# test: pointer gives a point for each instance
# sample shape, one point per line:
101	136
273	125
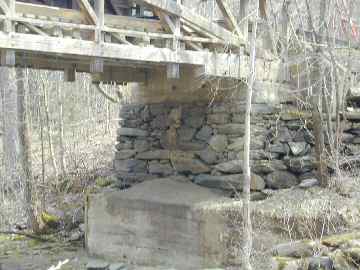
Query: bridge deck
89	40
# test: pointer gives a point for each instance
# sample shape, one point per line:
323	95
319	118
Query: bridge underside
117	48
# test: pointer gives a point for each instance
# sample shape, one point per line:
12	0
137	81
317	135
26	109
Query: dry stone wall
205	143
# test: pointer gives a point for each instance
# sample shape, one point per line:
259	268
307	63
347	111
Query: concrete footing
169	222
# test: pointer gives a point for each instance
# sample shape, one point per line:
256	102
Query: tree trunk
49	131
317	101
25	150
61	131
43	165
247	242
11	142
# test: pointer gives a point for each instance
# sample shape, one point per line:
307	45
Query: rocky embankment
338	252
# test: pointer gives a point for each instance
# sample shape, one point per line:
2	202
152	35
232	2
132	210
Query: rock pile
206	144
338	252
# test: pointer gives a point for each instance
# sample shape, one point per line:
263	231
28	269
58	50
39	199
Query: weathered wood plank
215	64
42	10
88	10
230	19
35	29
3	7
97	65
120	75
186	14
75	16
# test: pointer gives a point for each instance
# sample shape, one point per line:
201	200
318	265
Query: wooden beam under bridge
214	64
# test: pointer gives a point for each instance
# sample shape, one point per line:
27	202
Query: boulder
191	146
229	182
256	143
320	263
218	143
186	134
97	264
130	166
159	108
356	140
233	166
231	129
299	148
204	134
117	266
194	120
183	162
141	145
308	183
209	156
295	124
281	135
163	169
132	132
258	154
219	108
218	118
347	137
238	118
131	178
268	166
160	122
296	249
278	148
302	135
123	145
281	179
354	131
125	154
135	123
301	165
154	155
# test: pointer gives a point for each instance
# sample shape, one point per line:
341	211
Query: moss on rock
50	220
103	182
341	239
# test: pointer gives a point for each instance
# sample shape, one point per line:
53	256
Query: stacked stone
336	252
205	143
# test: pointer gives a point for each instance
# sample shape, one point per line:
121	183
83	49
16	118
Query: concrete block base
165	222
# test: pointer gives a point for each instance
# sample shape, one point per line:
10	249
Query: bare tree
25	149
61	130
11	137
48	125
247	244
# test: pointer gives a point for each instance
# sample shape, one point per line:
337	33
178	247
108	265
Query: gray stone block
164	222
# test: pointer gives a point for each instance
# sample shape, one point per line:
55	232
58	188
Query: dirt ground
19	253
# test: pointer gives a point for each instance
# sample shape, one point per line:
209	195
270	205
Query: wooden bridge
117	47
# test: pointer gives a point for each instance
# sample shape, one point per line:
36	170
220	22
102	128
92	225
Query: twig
32	236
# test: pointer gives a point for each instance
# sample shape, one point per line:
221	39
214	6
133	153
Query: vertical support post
244	22
97	65
173	69
8	56
70	74
285	35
